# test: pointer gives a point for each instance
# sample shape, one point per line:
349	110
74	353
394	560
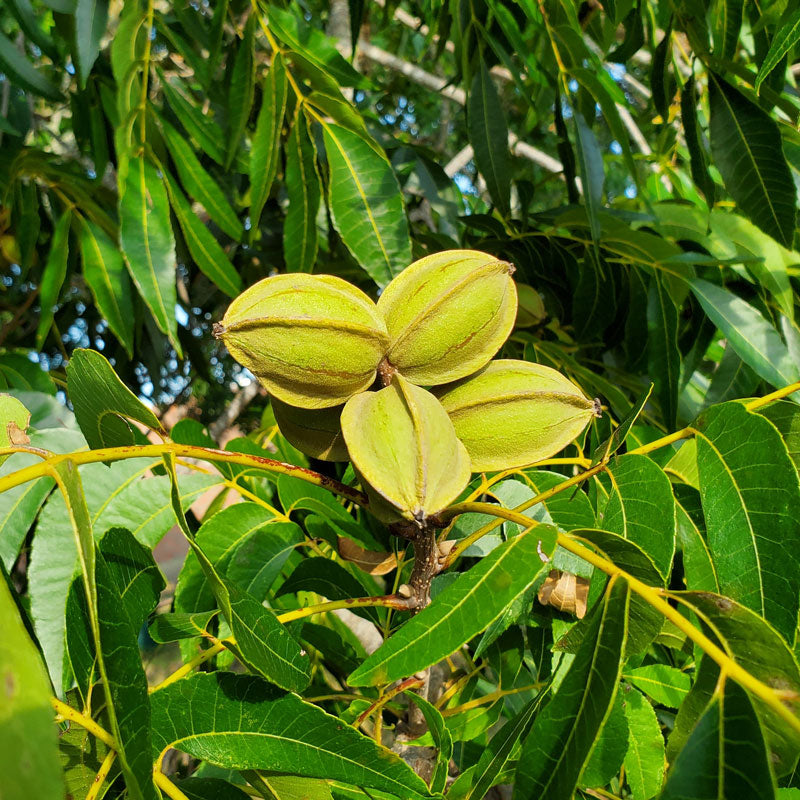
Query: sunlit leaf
561	738
240	722
751	502
461	611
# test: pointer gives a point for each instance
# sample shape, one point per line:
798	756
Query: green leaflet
663	355
727	26
331	580
561	739
312	44
54	274
89	21
366	204
240	722
784	40
17	67
462	610
495	758
303	188
242	87
103	403
442	741
746	146
204	248
751	502
261	643
698	160
128	586
174	627
662	683
756	647
201	127
117	495
645	761
199	183
266	546
755	341
725	757
26	717
105	273
635	487
488	135
147	241
265	151
590	164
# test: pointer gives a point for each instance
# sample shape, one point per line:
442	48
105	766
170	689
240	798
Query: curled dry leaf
14	420
448	314
513	413
372	561
313	341
403	444
565	592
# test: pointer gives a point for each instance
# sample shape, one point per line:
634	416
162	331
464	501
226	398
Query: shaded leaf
755	341
173	627
204	248
756	647
664	684
240	91
488	135
199	184
17	67
645	762
590	164
55	272
784	40
314	45
441	740
698	161
640	507
663	355
147	241
746	146
89	20
303	188
727	739
329	579
366	204
496	756
265	150
610	747
105	273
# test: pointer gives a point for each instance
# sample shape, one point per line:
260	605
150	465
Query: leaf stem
386	601
490	698
403	686
66	712
685	433
167	786
655	598
108	454
444	517
101	776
